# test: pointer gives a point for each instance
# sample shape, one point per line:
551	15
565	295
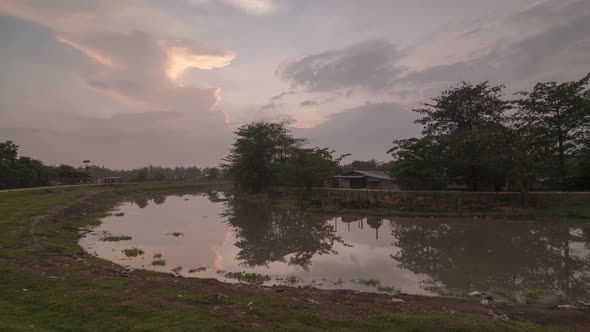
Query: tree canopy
473	136
265	154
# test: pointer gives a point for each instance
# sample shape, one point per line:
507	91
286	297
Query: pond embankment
503	205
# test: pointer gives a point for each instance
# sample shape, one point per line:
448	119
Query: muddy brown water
214	235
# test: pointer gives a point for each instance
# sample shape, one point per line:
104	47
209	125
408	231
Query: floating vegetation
532	296
132	252
119	214
159	262
291	280
199	269
175	234
250	278
376	284
338	282
157	255
177	269
368	282
115	238
387	289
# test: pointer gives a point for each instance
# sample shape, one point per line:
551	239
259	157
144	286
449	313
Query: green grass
74	297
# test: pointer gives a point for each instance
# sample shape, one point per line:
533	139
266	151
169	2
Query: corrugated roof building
358	179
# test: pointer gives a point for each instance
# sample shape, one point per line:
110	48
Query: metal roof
373	173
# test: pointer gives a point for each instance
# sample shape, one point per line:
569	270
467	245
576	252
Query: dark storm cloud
367	65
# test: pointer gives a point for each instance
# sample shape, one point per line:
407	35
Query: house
372	179
74	177
114	179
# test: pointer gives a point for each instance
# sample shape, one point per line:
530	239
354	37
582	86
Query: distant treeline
23	172
156	173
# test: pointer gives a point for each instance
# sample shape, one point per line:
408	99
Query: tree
419	164
8	154
212	173
159	176
21	172
309	167
467	122
557	117
86	163
257	153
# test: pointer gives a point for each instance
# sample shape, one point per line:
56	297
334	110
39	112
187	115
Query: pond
208	235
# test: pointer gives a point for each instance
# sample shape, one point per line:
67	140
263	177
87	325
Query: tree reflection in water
514	258
267	234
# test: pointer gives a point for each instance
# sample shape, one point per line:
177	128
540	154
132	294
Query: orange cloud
182	56
90	52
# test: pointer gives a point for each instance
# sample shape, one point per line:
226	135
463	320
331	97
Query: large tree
257	154
466	125
556	116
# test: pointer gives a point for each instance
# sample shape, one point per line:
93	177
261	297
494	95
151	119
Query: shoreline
46	252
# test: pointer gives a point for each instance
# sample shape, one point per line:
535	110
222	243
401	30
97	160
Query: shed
358	179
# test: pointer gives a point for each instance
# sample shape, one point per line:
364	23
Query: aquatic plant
132	252
158	255
368	282
250	278
159	262
115	238
198	269
177	269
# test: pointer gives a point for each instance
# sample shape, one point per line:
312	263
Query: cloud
364	131
522	62
254	7
269	106
183	55
155	115
142	75
281	95
309	103
369	65
557	34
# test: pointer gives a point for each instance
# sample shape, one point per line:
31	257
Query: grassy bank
48	283
541	205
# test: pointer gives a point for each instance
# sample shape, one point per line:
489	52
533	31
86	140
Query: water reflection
265	234
416	256
511	257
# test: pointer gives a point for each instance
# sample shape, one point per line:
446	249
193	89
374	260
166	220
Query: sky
157	82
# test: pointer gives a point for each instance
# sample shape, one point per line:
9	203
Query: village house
359	179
